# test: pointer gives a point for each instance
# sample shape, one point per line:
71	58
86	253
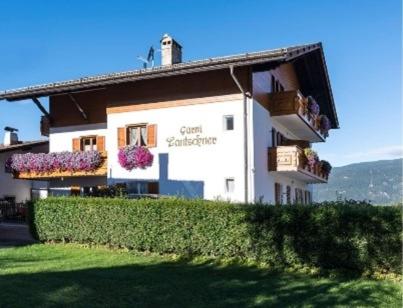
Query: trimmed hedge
350	236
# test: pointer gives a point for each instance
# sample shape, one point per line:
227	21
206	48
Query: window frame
227	186
93	143
138	128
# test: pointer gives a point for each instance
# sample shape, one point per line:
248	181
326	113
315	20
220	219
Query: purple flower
57	161
325	125
313	107
133	157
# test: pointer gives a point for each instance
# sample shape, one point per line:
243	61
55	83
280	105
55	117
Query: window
89	143
278	138
308	197
276	85
288	194
229	185
10	199
299	196
278	190
229	122
137	135
137	187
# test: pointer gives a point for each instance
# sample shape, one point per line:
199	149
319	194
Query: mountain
377	181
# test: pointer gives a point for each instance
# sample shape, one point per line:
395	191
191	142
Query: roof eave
20	146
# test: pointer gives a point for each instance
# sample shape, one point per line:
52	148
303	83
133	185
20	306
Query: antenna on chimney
150	58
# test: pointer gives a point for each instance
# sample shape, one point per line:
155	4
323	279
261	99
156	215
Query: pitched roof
22	145
246	59
159	71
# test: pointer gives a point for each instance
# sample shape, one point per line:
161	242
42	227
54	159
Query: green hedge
355	237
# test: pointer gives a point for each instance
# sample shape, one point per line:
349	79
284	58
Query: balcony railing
291	161
290	109
100	171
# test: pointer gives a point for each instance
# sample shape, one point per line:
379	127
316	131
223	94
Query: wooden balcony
100	171
291	162
289	109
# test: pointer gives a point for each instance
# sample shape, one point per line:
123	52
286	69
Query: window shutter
76	144
296	196
152	135
288	194
273	137
277	193
121	137
101	143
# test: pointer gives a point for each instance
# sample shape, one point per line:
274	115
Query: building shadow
167	186
186	189
179	284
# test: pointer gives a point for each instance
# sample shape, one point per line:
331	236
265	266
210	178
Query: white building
223	128
15	190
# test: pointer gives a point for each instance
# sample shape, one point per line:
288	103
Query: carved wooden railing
100	171
293	102
292	158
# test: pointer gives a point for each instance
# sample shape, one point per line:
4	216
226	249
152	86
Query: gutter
246	95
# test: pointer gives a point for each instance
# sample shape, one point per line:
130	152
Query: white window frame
138	128
227	187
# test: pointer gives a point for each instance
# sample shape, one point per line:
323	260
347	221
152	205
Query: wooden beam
41	108
73	99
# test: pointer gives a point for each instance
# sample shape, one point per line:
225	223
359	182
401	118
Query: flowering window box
299	114
58	165
292	161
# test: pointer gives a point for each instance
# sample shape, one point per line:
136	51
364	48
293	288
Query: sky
48	41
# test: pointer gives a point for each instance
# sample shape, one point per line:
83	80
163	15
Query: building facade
19	190
231	128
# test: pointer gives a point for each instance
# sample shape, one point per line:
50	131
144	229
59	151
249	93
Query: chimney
171	51
10	136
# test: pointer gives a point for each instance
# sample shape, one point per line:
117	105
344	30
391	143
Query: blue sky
46	41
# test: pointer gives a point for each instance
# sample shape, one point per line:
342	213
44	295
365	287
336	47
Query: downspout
245	131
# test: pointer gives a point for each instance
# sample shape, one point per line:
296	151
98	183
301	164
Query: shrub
356	237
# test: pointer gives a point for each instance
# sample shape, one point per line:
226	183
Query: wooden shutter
288	194
121	137
273	137
101	143
76	144
152	135
296	196
277	193
308	199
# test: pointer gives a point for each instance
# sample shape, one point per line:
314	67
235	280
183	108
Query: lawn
70	275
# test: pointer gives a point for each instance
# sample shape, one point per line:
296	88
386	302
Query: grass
48	275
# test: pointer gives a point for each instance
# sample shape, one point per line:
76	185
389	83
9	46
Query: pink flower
56	161
133	157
